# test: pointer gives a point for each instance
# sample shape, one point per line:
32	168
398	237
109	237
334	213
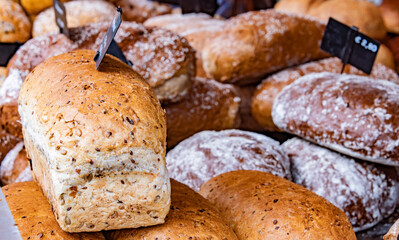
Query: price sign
60	17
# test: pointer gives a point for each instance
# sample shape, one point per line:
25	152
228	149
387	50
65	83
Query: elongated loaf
33	216
97	140
191	217
354	115
259	205
254	44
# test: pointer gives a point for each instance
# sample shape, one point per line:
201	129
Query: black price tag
351	46
7	50
60	17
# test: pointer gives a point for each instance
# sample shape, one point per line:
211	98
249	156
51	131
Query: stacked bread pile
98	139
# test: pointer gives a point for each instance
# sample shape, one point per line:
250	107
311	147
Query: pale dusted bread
209	105
267	91
79	13
209	153
366	194
14	24
141	10
191	217
97	140
259	205
354	115
254	44
15	167
33	216
393	232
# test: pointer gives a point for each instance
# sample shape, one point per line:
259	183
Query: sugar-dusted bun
354	115
176	21
210	105
97	140
360	189
7	142
259	205
15	166
268	90
360	13
141	10
33	215
191	217
15	25
390	13
209	153
297	6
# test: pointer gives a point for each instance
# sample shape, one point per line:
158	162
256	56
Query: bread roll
15	25
97	140
209	106
260	205
191	217
209	153
393	232
33	215
15	167
268	90
390	14
353	115
7	142
297	6
34	7
79	13
254	44
366	194
385	57
3	74
393	45
9	119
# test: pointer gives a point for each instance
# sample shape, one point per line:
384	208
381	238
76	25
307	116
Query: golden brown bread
393	232
259	205
191	217
385	57
296	6
209	106
254	44
9	119
33	216
34	7
390	13
268	90
393	45
15	166
15	25
3	74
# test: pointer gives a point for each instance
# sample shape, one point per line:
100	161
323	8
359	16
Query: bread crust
259	205
15	25
141	10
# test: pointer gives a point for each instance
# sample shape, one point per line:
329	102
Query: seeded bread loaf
191	217
97	140
259	205
33	216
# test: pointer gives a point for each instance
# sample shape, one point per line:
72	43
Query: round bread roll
141	10
366	194
259	205
297	6
268	90
360	13
385	57
34	7
14	24
353	115
390	13
210	105
393	45
7	142
9	119
209	153
15	167
79	13
191	217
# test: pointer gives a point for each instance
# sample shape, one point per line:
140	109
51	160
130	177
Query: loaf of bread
268	90
210	105
393	232
15	167
254	44
15	25
78	13
353	115
366	194
209	153
7	142
191	217
33	215
259	205
97	140
390	14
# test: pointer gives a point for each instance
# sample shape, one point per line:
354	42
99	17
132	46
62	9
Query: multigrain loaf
353	115
14	24
191	217
210	153
15	167
259	205
33	216
97	140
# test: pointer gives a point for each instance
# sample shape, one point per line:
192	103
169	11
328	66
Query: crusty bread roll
390	14
393	232
97	140
191	217
259	205
254	44
353	115
210	105
393	45
34	7
15	167
209	153
33	215
385	57
296	6
7	142
268	90
15	25
9	119
366	194
79	13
